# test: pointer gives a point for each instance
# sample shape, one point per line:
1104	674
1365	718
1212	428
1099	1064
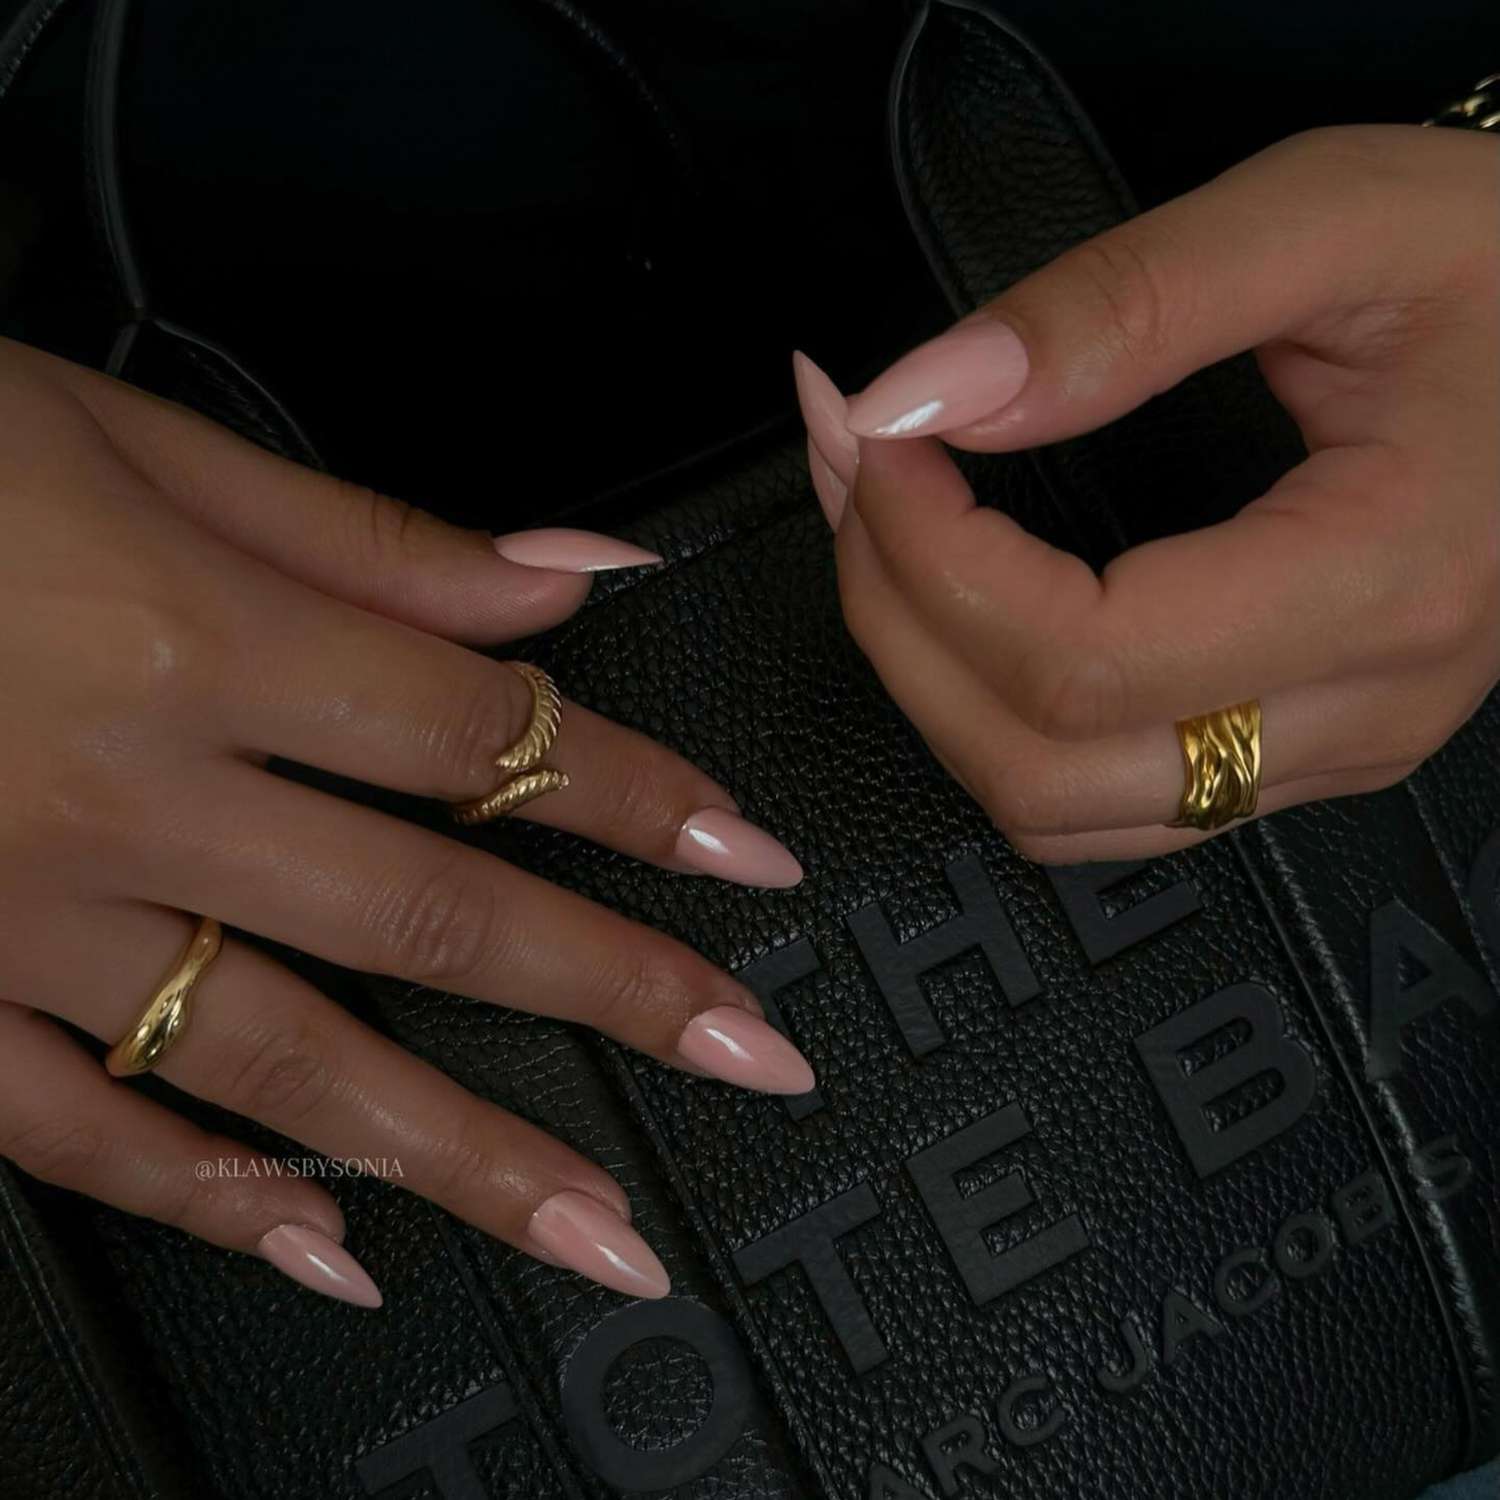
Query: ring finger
266	1045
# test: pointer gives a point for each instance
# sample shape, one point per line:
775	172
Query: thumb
346	540
1279	245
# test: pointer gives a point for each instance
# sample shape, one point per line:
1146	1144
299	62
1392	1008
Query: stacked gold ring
523	777
1221	751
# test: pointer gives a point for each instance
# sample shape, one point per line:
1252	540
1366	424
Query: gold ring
523	777
166	1017
1221	751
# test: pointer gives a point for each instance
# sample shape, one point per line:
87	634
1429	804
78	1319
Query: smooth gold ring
1221	751
523	777
166	1016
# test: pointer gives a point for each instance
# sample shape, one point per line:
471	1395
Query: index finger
1311	581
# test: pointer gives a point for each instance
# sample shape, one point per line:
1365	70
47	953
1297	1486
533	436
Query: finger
1112	798
264	1044
345	539
386	704
1284	244
63	1120
374	893
1155	840
1312	582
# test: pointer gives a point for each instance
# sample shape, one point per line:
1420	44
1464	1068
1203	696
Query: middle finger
374	893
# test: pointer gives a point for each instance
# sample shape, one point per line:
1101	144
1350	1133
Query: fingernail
564	550
974	369
831	491
719	842
728	1044
582	1234
824	410
315	1261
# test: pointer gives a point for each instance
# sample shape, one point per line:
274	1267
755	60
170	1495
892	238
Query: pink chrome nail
824	410
831	491
564	550
731	1045
974	369
315	1261
582	1234
719	842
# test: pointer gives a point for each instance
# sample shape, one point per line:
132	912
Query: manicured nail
729	1044
831	491
564	550
719	842
580	1233
824	410
315	1261
974	369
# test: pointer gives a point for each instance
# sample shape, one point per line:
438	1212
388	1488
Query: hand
176	606
1359	599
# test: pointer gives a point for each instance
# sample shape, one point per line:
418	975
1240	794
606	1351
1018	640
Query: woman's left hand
1359	599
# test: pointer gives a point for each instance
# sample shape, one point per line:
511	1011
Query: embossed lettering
1484	894
1182	1319
1441	1168
440	1448
1189	1096
1235	1303
956	1445
1105	933
1398	933
1119	1382
898	967
1297	1231
1363	1207
809	1241
1032	1433
962	1219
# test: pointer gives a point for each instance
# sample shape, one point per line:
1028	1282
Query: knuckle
463	1168
58	1149
642	990
478	727
283	1076
1130	301
382	528
1071	693
443	928
1019	800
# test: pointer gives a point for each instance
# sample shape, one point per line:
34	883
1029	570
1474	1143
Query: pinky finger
64	1120
1157	839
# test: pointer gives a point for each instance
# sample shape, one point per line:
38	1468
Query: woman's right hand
177	606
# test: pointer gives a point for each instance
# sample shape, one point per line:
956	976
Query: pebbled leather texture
1005	1249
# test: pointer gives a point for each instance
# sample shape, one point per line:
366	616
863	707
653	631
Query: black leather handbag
1172	1180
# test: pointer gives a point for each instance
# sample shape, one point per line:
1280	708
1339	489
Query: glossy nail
832	492
824	411
719	842
580	1233
563	550
731	1045
315	1261
974	369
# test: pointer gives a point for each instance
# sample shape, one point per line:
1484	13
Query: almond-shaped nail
824	411
734	1046
564	550
719	842
832	492
974	369
313	1260
580	1233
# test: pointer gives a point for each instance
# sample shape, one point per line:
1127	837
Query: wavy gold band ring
523	777
166	1016
1221	751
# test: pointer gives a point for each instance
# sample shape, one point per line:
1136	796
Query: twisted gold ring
166	1016
523	778
1221	751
